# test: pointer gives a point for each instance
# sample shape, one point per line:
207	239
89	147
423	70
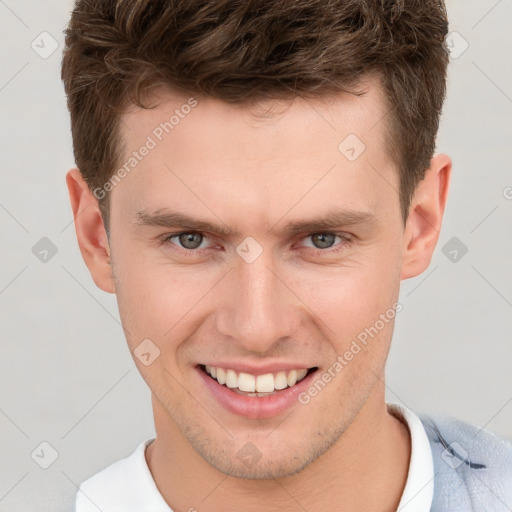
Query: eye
190	241
324	241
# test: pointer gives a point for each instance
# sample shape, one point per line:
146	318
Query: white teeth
246	382
280	381
256	385
292	378
231	379
264	383
300	374
221	375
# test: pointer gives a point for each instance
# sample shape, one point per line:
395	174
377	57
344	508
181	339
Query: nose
259	309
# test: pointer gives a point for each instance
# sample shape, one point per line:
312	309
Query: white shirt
128	486
419	487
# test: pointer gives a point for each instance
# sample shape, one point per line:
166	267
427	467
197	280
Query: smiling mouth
256	385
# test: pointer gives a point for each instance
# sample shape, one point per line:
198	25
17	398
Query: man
254	181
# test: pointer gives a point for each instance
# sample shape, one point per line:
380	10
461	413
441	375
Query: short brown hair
243	50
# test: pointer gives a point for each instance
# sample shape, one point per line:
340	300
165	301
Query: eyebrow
334	219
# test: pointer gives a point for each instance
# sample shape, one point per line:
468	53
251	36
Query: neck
365	470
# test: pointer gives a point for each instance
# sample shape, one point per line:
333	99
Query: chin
251	463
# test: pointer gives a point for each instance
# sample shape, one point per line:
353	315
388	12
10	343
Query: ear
90	230
425	217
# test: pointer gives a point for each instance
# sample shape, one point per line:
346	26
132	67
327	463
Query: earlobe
90	231
425	217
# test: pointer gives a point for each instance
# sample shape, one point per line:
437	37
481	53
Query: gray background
66	376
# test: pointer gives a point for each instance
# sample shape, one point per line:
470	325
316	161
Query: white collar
419	488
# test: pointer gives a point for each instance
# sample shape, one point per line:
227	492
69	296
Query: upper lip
262	369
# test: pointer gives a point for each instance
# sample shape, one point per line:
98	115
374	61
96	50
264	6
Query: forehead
275	151
339	113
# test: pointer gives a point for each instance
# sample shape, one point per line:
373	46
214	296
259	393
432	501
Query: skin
293	303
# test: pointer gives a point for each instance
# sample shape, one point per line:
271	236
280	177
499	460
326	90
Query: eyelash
166	240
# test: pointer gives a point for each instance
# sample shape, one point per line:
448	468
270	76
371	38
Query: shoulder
472	466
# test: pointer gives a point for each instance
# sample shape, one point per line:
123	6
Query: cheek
357	292
351	300
152	297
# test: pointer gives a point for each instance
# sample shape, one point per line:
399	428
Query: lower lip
254	407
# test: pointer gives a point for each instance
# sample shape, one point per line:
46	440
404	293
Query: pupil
187	240
321	238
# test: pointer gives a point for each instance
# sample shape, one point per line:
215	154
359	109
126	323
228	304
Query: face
250	247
